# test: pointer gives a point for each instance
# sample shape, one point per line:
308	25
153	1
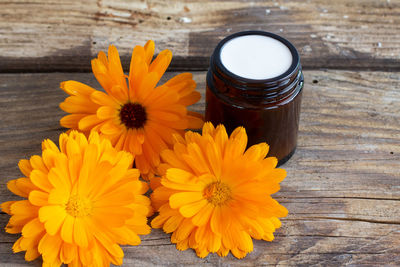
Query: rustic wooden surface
63	35
343	184
342	188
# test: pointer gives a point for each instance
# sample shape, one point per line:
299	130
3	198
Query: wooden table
343	183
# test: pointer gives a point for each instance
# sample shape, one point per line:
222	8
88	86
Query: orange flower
139	117
214	196
83	200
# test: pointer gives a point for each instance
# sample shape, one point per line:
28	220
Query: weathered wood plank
342	188
44	35
300	242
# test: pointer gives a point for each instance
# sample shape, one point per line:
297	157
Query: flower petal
67	229
180	199
53	217
192	208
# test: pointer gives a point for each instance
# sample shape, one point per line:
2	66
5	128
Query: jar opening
217	66
276	89
256	56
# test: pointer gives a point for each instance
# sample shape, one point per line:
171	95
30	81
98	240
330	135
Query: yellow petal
21	187
178	175
171	158
237	143
40	180
80	233
184	229
72	120
58	196
179	199
49	247
59	180
32	228
217	221
193	208
203	216
172	224
221	137
25	167
88	122
38	198
6	206
68	252
37	163
85	256
67	229
31	254
53	217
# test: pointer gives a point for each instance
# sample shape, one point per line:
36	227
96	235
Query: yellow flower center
78	206
217	193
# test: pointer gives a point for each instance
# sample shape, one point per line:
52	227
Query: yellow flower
139	116
83	200
215	197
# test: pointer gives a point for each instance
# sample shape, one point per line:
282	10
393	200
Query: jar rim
216	57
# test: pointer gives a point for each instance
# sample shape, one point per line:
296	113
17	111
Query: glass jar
269	109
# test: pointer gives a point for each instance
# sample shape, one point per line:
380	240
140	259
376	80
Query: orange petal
32	228
100	71
192	208
119	93
161	63
149	51
102	99
147	85
190	99
21	187
115	67
88	122
71	121
40	180
80	233
110	128
67	229
53	217
180	199
203	216
138	70
25	167
68	252
106	112
38	198
76	88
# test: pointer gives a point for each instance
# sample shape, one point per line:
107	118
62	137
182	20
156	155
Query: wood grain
43	35
342	188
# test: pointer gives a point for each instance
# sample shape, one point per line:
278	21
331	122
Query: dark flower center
133	115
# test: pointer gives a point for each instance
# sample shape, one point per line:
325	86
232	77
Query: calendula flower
136	116
83	200
214	196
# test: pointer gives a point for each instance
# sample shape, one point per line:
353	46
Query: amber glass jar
269	109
